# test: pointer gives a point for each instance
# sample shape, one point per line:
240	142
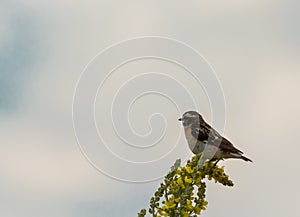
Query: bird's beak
179	119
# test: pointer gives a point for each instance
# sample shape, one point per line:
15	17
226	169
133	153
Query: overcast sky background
254	49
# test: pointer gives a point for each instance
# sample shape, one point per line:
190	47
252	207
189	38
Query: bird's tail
246	159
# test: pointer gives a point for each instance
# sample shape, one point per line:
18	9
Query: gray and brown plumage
201	137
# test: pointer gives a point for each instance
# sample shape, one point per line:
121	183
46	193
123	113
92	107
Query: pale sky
254	49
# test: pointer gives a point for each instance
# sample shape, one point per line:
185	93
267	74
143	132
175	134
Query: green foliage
182	193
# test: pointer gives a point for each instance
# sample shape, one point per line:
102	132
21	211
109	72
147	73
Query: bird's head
191	118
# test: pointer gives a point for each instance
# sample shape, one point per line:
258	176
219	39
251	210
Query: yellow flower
189	205
197	210
177	200
178	172
189	169
169	204
164	207
188	180
198	182
184	213
162	212
180	182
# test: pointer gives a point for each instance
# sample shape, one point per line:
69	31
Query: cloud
19	48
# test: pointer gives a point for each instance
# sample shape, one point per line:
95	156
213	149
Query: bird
202	138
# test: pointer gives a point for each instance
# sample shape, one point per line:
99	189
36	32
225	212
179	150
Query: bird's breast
195	145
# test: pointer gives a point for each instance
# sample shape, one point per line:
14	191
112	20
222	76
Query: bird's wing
201	132
206	133
228	146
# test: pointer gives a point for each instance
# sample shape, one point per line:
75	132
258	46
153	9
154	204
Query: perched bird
201	137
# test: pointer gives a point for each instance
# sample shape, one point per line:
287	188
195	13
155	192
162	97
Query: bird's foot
217	161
